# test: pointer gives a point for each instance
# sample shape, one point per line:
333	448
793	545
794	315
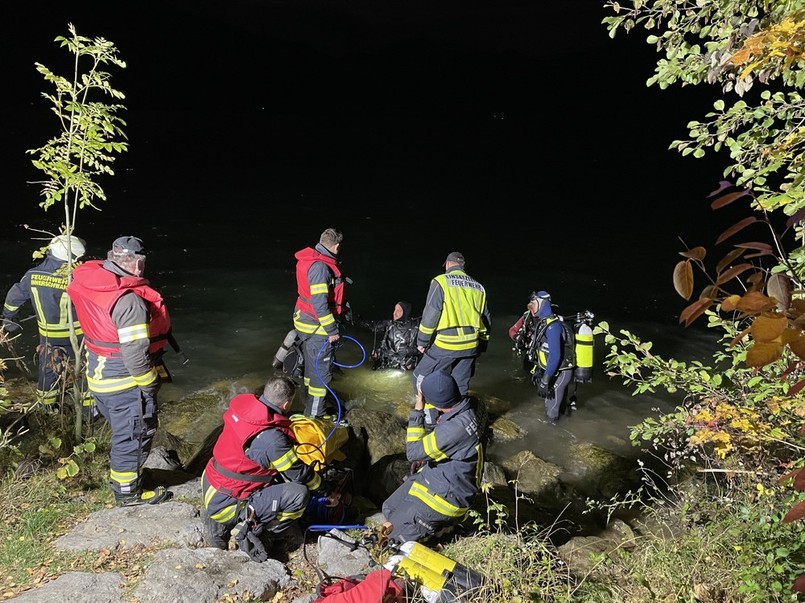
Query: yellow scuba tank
463	577
584	347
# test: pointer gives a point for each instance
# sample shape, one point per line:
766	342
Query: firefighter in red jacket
320	304
126	325
254	475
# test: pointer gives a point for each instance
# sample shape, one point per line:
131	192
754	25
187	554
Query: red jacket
243	420
94	292
336	300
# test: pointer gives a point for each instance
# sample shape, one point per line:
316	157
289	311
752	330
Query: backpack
319	443
568	342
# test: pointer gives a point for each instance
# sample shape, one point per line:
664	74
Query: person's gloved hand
9	326
248	540
545	390
483	345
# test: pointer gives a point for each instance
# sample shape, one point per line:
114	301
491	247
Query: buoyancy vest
540	344
398	348
336	299
246	417
461	320
524	338
94	292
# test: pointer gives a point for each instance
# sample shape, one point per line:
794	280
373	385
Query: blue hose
327	385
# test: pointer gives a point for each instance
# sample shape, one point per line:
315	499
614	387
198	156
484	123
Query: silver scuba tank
286	346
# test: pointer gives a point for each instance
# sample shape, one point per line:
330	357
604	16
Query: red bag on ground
376	587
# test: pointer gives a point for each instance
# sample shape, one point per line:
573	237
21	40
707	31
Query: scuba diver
556	350
397	349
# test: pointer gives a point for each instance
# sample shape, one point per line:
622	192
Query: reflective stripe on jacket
94	292
454	458
44	286
246	417
306	317
461	322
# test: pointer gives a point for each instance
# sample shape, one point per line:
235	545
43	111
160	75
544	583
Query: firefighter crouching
451	459
254	476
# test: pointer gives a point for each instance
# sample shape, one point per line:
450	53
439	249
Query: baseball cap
455	256
128	244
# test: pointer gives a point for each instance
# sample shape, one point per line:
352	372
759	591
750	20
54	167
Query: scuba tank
584	347
462	577
290	357
287	344
441	579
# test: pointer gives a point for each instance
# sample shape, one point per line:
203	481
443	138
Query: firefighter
126	327
44	287
455	325
254	475
320	305
451	460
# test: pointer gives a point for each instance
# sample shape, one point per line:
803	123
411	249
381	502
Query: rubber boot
143	497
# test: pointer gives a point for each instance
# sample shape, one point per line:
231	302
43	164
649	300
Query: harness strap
260	479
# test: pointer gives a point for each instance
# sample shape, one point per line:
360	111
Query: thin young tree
90	136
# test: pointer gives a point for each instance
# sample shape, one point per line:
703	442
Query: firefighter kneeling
254	476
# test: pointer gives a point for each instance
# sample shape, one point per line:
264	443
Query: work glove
545	389
248	540
9	326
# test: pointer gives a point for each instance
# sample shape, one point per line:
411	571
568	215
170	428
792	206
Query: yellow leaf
796	342
762	354
767	328
730	303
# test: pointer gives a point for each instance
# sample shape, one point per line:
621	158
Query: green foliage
90	130
67	465
743	46
90	136
744	413
725	530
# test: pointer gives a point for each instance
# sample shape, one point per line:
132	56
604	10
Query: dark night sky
502	104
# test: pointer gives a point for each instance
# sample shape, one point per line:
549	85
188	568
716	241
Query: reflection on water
231	296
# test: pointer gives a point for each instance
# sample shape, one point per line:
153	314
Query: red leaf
732	273
796	512
755	245
735	228
694	310
727	199
796	388
798	477
799	584
799	480
729	259
697	253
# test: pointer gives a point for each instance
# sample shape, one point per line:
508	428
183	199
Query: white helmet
61	247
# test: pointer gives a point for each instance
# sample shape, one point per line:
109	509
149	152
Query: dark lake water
596	225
